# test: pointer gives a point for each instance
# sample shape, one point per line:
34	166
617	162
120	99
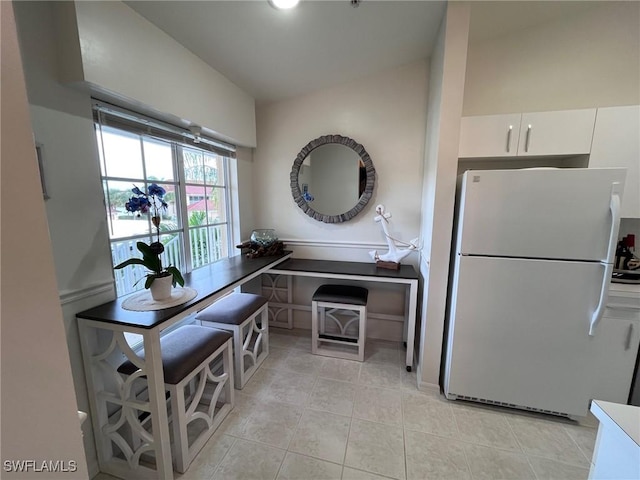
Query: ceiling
273	54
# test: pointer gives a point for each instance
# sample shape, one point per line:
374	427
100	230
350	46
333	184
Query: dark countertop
346	268
207	281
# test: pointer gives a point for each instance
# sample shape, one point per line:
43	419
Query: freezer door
518	332
539	213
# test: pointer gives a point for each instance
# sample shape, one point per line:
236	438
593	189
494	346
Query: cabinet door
615	350
489	136
616	143
565	132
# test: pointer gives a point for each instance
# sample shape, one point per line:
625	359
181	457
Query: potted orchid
159	279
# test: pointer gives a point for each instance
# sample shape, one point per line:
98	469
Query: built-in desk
358	271
124	417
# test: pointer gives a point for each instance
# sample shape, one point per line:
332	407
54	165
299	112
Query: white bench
239	313
198	374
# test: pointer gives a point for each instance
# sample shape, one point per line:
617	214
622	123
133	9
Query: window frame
179	183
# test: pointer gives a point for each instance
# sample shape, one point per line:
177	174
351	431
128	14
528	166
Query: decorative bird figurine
392	258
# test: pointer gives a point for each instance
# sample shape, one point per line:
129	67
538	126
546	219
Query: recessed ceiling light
283	4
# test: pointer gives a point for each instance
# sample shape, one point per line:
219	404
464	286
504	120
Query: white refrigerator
534	252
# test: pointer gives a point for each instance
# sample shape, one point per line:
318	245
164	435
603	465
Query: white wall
589	60
446	84
39	410
386	113
62	122
158	73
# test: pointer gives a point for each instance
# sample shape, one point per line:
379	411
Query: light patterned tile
302	362
244	406
340	369
376	448
585	437
280	340
409	379
298	467
380	405
332	396
290	387
380	375
382	352
548	439
272	423
428	414
429	456
277	358
249	460
485	428
321	435
492	464
205	463
546	469
259	382
349	473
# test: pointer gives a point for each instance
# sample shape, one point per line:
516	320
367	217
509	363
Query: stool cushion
341	294
232	309
183	350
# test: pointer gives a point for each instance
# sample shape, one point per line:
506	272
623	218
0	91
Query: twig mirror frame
366	194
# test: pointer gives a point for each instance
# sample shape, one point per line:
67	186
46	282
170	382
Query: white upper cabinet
616	143
489	136
566	132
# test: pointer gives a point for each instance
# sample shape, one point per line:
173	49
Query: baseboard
70	296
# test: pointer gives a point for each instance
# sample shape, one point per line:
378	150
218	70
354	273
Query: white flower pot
161	288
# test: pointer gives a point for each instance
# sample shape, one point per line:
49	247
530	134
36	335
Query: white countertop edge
626	417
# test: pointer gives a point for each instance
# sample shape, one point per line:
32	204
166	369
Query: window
195	229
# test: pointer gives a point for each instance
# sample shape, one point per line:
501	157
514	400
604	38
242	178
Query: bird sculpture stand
392	258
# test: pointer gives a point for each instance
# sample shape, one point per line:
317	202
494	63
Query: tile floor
308	417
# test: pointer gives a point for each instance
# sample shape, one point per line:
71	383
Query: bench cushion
341	294
232	309
183	350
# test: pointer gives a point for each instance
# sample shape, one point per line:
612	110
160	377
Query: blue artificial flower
308	197
156	190
137	204
136	190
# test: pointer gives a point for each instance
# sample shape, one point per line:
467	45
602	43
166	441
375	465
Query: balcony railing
207	246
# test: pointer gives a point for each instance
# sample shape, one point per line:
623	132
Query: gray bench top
183	350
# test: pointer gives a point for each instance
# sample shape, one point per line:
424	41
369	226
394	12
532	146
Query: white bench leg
314	328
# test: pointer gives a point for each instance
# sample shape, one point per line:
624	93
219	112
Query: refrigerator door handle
614	206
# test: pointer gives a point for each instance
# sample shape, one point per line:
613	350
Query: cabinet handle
627	344
527	139
509	138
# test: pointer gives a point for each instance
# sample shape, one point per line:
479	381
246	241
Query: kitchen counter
617	450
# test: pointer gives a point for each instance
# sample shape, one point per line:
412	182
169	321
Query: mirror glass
332	178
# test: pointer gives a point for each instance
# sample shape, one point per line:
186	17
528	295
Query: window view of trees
197	200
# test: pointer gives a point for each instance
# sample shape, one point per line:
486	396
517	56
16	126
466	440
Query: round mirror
332	178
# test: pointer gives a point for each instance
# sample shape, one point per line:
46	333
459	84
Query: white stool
191	357
326	302
238	313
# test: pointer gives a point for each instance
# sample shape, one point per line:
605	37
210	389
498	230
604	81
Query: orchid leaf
149	281
151	260
131	261
177	276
